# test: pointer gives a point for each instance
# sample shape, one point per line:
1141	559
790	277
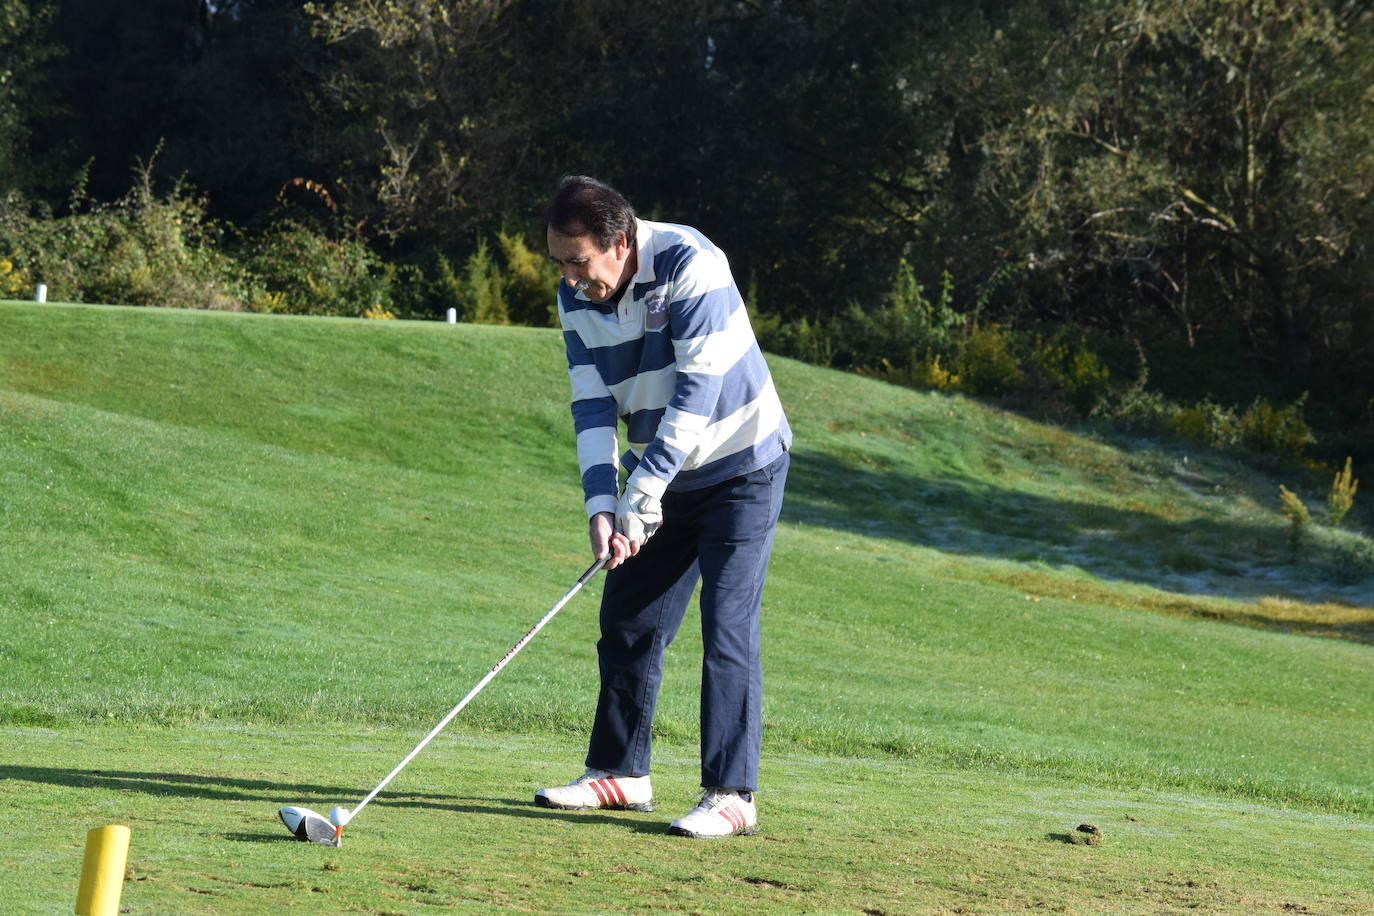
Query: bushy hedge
151	249
300	270
14	281
164	250
1260	427
911	339
142	249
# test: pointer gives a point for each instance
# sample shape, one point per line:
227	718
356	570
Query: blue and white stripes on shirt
676	359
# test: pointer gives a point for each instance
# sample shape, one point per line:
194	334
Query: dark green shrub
987	363
1350	556
904	330
531	283
915	372
482	293
1282	432
1261	428
447	286
799	339
1061	369
305	272
1206	422
422	287
143	249
409	288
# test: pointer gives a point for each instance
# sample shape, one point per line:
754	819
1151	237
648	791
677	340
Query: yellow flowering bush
14	281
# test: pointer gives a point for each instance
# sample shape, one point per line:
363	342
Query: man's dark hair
585	206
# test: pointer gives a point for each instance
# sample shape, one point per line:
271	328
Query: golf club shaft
586	577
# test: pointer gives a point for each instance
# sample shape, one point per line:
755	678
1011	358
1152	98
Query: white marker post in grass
102	871
41	294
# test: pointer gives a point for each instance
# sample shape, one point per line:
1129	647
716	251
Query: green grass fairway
249	561
843	835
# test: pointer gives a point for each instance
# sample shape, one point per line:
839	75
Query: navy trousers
723	536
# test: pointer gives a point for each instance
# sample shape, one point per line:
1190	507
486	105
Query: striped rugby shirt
676	359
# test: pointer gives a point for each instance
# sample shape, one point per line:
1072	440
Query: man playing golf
657	336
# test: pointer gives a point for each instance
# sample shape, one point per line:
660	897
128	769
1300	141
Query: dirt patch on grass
1328	619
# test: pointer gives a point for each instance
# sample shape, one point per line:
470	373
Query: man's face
598	274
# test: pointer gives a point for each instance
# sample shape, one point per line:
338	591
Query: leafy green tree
1208	161
25	52
809	139
486	299
425	88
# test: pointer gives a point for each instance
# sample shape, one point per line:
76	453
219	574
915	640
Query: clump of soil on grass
1085	835
1088	835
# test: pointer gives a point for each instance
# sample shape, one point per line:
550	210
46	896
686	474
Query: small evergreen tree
1342	495
483	291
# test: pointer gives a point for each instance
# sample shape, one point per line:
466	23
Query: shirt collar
644	242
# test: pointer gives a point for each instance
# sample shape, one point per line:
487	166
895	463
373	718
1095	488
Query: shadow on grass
1191	555
278	837
180	785
510	807
219	788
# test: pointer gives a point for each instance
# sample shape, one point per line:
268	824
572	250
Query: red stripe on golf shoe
613	789
732	814
600	792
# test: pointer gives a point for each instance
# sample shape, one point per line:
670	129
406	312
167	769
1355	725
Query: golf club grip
486	679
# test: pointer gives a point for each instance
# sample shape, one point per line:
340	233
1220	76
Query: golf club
308	825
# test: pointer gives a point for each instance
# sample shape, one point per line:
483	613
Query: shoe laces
589	776
715	796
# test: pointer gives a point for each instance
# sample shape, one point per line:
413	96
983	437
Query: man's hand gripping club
637	516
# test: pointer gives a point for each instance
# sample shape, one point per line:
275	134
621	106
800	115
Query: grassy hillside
216	524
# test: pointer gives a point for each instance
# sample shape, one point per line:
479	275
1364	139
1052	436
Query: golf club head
308	825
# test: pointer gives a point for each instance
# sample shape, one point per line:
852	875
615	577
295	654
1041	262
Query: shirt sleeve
594	422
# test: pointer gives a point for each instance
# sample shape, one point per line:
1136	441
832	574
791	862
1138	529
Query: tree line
1177	191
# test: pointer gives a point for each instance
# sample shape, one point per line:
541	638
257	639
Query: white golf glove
638	515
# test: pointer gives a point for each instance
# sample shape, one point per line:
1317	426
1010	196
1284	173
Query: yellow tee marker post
102	871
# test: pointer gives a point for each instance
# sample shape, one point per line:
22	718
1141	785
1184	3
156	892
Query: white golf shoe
599	789
719	813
